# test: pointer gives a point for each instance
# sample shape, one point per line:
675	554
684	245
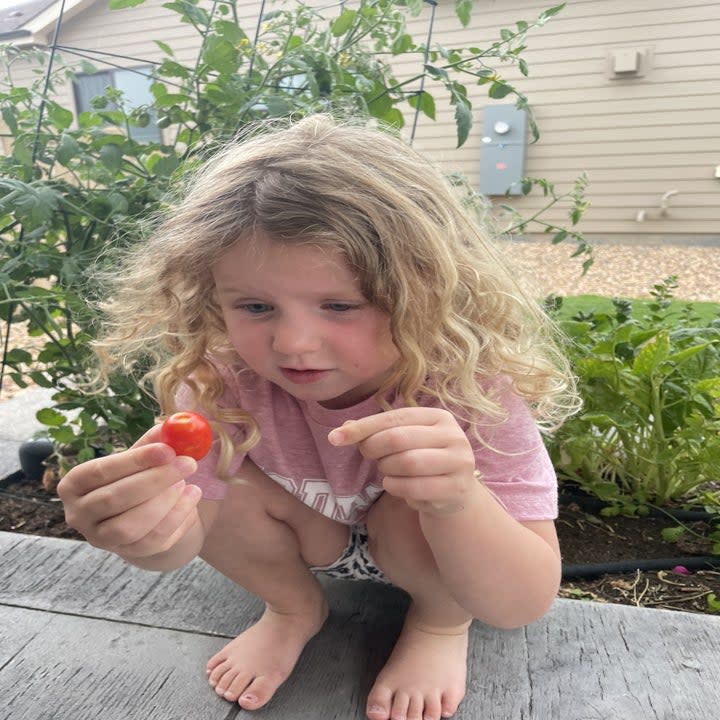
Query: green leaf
415	6
164	166
122	4
499	90
87	453
17	356
711	386
683	355
277	106
40	379
672	534
220	55
63	435
437	73
88	423
22	152
402	44
59	116
545	16
111	157
379	104
597	367
463	121
343	22
394	117
67	149
654	352
165	48
605	490
231	31
463	9
425	101
8	115
713	602
50	417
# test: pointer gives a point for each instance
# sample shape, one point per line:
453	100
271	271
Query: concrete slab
18	424
17	415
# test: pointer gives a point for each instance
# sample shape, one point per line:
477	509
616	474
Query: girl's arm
503	572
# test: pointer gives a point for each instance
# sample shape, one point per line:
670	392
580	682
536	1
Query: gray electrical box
502	153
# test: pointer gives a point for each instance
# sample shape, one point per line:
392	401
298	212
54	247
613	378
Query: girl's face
296	316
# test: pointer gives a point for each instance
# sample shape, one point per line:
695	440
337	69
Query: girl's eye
255	308
340	307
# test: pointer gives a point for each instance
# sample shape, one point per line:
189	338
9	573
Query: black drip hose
693	562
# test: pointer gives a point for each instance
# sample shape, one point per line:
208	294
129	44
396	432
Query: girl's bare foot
250	668
424	678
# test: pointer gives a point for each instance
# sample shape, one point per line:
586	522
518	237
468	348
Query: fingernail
335	437
185	465
193	492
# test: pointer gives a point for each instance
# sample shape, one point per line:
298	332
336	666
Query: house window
135	86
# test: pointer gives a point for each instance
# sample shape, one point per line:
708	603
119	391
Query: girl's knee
395	537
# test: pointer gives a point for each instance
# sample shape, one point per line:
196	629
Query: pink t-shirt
340	483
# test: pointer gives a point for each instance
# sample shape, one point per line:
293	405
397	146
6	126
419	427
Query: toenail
375	708
249	698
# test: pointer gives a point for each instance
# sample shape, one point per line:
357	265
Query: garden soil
27	507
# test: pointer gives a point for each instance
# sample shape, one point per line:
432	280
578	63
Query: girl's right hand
134	503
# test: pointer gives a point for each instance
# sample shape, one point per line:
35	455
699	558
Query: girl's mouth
303	377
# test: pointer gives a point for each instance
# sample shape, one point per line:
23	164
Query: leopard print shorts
355	563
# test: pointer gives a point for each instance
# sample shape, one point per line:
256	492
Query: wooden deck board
83	635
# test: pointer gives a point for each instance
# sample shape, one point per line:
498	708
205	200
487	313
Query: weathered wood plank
86	630
76	668
595	662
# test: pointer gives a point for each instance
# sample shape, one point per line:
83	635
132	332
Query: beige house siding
636	137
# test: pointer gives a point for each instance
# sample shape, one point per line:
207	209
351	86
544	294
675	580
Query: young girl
376	379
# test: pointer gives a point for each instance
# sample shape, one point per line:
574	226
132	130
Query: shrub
649	432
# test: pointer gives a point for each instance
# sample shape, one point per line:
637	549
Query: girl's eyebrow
344	294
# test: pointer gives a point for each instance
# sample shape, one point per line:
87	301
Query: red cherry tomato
187	433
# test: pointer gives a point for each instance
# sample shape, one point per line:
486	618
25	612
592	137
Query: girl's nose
294	338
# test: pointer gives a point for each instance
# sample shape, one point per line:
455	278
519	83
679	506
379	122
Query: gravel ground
618	271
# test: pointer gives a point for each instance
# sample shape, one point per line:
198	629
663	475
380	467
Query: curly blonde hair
457	312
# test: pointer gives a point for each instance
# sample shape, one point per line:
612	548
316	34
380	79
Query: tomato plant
187	433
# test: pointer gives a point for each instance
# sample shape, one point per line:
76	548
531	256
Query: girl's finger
99	472
128	527
402	439
170	529
131	491
355	431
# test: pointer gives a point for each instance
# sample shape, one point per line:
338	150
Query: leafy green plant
577	206
649	432
74	185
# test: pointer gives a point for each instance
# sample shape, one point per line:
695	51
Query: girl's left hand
423	453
